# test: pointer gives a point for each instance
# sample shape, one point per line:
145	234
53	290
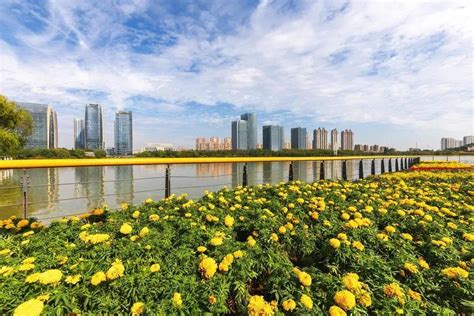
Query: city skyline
406	72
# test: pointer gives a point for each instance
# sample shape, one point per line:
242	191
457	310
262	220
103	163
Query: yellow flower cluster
259	307
93	238
455	273
207	267
52	276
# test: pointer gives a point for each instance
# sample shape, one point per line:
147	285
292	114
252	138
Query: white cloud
277	61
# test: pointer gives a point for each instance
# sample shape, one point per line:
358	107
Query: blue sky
398	73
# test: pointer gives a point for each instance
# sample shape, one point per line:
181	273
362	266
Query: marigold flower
282	229
342	236
137	308
414	295
23	223
177	300
393	290
410	267
288	305
334	243
212	299
154	217
364	298
208	267
468	237
201	249
406	236
155	267
26	267
274	237
390	229
50	276
98	278
32	307
345	299
115	271
126	229
306	301
136	214
144	231
304	278
216	241
251	241
73	279
358	245
336	311
229	221
259	307
351	282
455	273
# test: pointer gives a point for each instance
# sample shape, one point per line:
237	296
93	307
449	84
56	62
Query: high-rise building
239	135
320	138
358	147
79	134
347	139
366	148
467	140
123	133
227	143
251	119
201	143
214	143
447	143
334	143
94	133
273	137
298	138
45	125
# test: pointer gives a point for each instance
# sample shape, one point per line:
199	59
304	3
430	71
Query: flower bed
441	165
395	244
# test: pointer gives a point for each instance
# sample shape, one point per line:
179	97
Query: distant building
467	140
447	143
214	144
79	134
251	119
157	147
239	135
123	133
414	149
94	133
334	143
273	137
45	125
359	147
365	148
201	143
298	138
383	149
287	145
227	145
320	138
347	139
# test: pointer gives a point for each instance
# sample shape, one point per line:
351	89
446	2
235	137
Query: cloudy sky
398	73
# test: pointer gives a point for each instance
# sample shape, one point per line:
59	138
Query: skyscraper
94	134
334	144
347	140
45	125
239	135
467	140
123	133
447	143
320	138
298	138
251	119
79	135
273	137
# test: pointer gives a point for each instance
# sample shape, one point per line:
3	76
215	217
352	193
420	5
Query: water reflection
124	184
90	184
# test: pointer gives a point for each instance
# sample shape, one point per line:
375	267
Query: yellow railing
56	163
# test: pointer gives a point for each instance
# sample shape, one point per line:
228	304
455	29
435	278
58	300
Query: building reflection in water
300	170
90	185
43	192
213	169
124	184
274	172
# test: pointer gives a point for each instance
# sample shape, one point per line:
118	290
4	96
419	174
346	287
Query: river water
57	192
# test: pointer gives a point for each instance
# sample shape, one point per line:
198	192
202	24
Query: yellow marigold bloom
201	249
212	299
5	252
274	237
401	213
23	223
50	276
177	300
468	237
32	307
137	308
28	234
98	211
382	237
336	311
33	278
144	231
251	241
345	216
154	217
7	271
229	221
393	290
115	271
134	238
155	267
447	240
345	299
291	205
288	305
282	229
300	200
26	267
414	295
216	241
410	267
406	236
342	236
238	254
259	307
208	267
73	279
334	243
455	273
314	215
29	260
126	229
61	259
352	209
364	299
351	282
306	301
358	245
136	214
452	226
304	278
98	277
390	229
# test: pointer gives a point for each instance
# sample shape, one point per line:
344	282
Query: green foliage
15	126
100	153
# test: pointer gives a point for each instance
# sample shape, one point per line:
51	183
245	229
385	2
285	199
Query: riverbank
397	243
